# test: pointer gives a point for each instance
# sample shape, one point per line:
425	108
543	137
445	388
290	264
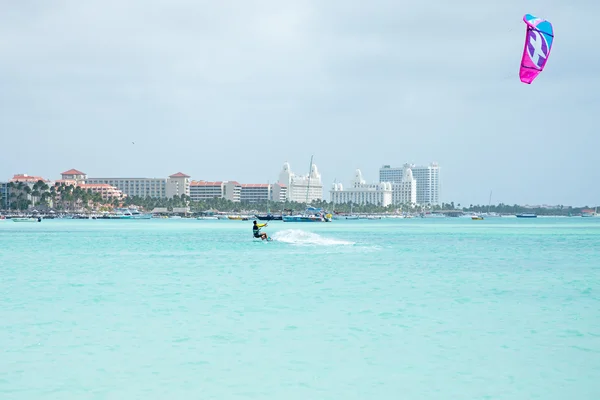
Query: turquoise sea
451	308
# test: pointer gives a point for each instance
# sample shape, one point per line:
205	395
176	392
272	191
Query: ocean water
393	309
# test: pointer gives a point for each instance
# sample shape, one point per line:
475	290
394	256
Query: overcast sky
230	90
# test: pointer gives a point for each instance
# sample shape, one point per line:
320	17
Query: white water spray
297	236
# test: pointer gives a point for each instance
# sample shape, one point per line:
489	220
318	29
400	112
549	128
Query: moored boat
527	215
311	214
269	217
27	219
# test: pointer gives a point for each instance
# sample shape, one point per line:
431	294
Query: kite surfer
257	233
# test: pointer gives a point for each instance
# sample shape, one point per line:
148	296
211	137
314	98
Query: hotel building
4	195
106	191
238	192
176	184
258	192
427	181
202	190
301	188
361	192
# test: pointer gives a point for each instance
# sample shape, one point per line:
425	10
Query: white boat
311	214
590	213
27	219
344	216
207	218
135	214
527	215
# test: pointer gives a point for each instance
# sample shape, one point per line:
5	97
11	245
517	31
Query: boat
27	219
269	217
344	216
339	215
135	214
590	213
208	217
311	214
491	214
526	215
237	217
476	217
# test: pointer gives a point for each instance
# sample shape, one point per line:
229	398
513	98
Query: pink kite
538	43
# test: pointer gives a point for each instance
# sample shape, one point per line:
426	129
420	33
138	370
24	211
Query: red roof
95	185
204	183
179	175
27	178
73	172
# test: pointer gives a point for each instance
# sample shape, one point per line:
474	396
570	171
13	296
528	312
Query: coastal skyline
230	91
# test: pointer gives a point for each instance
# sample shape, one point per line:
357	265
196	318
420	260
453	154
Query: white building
362	193
427	181
255	192
279	192
142	187
74	175
258	192
405	191
202	190
301	188
176	184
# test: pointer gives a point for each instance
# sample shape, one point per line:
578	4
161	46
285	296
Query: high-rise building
202	190
4	195
361	192
234	191
255	192
176	184
301	188
405	192
427	180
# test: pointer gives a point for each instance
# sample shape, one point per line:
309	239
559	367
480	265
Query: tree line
71	197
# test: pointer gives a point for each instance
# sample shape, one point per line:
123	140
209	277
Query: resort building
28	180
232	190
202	190
74	175
427	180
26	185
405	191
176	184
301	188
255	192
259	192
107	192
361	192
279	192
4	195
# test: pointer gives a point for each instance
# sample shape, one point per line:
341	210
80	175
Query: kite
538	43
